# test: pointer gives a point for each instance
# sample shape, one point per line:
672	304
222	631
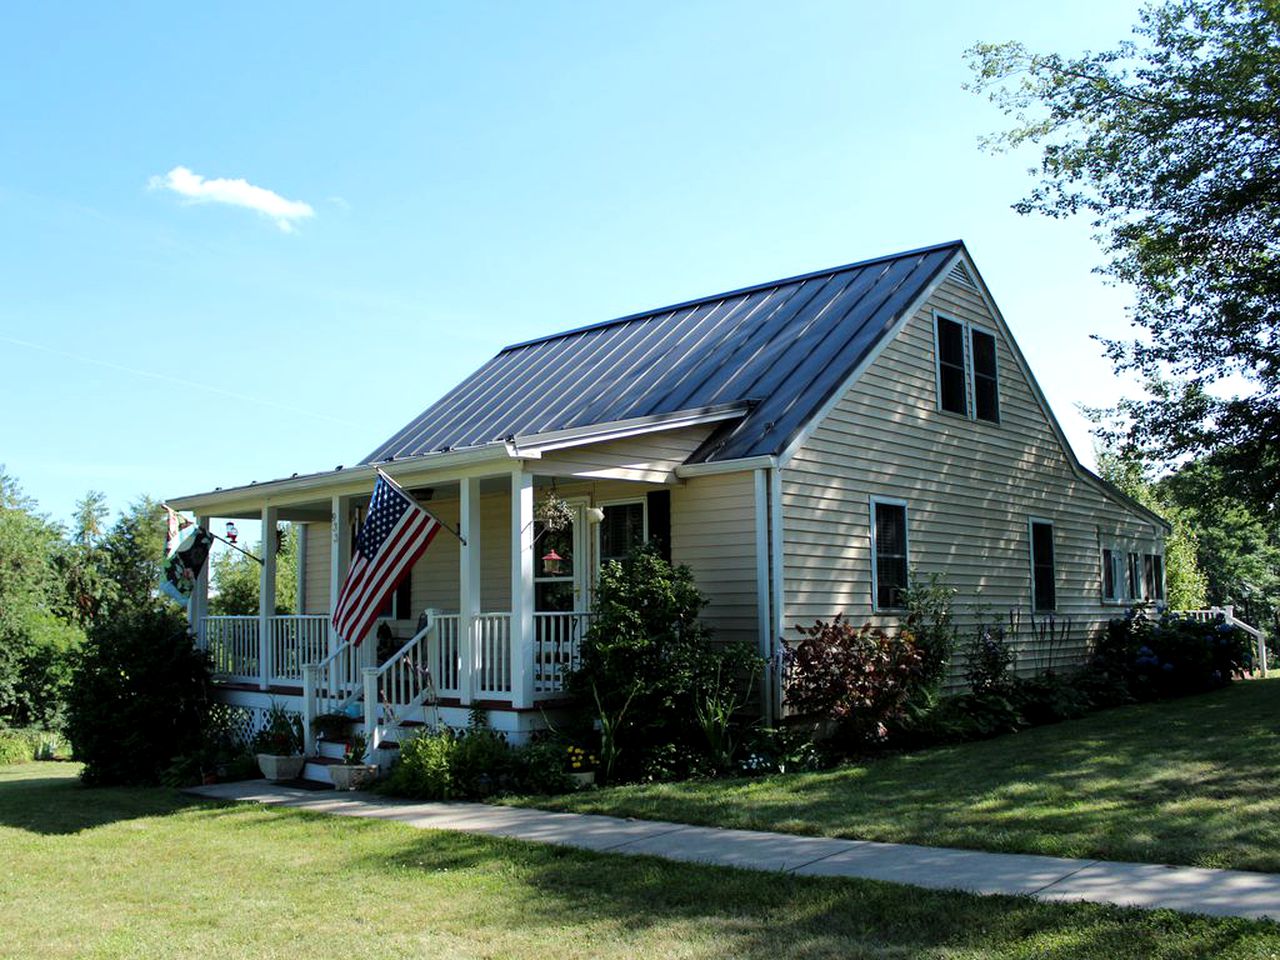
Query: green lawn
1191	781
104	873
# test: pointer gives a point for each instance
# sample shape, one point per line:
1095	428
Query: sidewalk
1150	886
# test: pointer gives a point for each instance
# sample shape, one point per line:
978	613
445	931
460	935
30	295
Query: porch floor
1147	886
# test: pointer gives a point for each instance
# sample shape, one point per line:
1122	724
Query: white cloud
236	193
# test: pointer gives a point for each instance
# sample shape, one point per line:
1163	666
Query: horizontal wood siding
970	487
713	531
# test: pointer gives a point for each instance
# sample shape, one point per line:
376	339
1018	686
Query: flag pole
457	532
216	537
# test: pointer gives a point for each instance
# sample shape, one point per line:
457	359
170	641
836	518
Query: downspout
777	603
764	591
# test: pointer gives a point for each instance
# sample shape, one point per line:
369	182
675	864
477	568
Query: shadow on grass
773	915
61	804
1187	781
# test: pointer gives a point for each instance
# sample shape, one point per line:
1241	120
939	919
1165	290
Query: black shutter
660	522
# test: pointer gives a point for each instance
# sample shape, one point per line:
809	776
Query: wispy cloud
236	193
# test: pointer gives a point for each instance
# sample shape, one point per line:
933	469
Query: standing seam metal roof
784	347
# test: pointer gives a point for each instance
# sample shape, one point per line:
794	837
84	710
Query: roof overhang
536	444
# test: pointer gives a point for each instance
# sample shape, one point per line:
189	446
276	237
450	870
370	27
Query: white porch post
199	607
469	586
267	595
339	557
521	588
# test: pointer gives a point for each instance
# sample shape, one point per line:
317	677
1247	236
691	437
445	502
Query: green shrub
539	767
140	697
1169	656
646	661
15	747
424	770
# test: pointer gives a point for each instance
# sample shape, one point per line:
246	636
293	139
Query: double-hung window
888	554
622	529
968	370
1044	595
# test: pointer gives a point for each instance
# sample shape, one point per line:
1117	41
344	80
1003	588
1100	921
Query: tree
1186	586
236	579
1171	144
35	646
132	554
81	559
1237	548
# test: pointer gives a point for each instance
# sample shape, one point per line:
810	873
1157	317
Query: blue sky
476	174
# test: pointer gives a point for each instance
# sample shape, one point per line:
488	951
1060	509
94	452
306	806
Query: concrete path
1150	886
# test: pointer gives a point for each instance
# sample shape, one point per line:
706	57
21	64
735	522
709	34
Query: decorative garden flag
393	536
176	525
184	563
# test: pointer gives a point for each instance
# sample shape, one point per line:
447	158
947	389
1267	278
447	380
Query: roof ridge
600	325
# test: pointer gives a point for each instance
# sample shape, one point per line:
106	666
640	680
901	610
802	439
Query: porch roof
780	349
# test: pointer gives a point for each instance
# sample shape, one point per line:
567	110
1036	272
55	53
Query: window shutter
660	522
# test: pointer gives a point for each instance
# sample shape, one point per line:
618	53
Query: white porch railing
295	642
444	654
492	633
1228	615
557	639
232	643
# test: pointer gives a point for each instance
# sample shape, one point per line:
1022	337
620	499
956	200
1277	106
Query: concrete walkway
1150	886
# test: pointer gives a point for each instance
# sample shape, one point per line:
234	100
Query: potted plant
278	745
580	765
353	772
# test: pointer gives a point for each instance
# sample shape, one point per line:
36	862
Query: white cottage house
800	444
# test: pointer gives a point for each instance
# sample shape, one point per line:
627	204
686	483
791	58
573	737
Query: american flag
391	539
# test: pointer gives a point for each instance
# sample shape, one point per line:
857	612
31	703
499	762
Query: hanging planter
553	513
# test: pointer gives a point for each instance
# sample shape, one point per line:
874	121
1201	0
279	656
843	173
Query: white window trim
970	400
1118	552
1031	561
1125	550
906	546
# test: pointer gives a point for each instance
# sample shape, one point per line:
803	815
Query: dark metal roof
784	347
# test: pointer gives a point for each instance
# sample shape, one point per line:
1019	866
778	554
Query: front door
560	565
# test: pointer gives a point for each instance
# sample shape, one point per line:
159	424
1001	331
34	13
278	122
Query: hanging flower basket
553	513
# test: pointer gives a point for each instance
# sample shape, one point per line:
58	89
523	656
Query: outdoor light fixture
551	562
594	515
232	532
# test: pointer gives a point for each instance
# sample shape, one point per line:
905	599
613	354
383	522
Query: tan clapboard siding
649	458
970	486
713	531
316	572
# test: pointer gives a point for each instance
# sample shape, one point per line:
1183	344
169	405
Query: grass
123	873
1190	781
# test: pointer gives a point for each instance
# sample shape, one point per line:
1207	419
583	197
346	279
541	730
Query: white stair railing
1228	615
403	683
329	687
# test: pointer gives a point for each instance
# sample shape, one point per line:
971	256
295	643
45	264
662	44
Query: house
802	445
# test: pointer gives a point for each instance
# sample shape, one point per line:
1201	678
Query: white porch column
199	606
469	585
339	556
521	588
267	595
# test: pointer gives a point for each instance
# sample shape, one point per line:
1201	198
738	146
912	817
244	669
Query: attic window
968	369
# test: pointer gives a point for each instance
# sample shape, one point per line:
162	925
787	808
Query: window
951	367
1043	587
986	394
889	553
1109	585
968	370
1157	581
621	530
1135	577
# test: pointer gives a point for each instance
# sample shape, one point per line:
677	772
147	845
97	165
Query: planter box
350	776
280	768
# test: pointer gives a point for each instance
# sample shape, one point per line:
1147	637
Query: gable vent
960	275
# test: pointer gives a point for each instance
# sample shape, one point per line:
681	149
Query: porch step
317	769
